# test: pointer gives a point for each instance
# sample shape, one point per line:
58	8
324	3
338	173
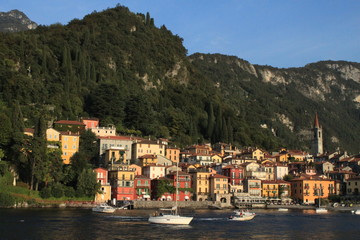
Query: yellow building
306	189
173	154
115	155
201	185
143	147
69	145
282	157
122	182
257	154
216	158
270	189
218	186
53	138
147	160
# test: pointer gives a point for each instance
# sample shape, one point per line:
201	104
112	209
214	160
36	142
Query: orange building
90	122
306	189
69	145
173	154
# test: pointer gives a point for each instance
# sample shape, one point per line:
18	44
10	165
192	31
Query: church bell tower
317	145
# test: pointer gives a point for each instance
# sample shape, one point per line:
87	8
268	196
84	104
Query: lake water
207	224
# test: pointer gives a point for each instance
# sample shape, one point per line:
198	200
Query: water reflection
83	224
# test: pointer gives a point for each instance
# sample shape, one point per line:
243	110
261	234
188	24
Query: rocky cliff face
285	100
15	21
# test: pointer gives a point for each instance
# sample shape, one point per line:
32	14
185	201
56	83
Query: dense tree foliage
119	67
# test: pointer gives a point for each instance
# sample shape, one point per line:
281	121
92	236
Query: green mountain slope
286	100
116	65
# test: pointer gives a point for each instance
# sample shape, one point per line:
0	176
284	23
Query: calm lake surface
207	224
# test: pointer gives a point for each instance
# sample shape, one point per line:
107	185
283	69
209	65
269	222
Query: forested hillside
118	66
286	100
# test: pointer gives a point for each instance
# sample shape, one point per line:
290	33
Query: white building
154	171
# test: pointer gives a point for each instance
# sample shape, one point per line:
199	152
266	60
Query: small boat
356	212
321	210
243	215
170	218
283	209
104	208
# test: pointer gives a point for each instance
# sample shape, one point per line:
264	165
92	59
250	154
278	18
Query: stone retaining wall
169	204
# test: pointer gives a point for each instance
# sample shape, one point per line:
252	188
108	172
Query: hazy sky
280	33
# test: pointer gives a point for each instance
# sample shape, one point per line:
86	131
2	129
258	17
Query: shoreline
186	205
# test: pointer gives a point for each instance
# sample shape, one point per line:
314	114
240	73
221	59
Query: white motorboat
172	216
104	208
243	215
283	209
356	212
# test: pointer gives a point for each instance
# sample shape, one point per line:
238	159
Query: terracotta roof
29	130
100	168
68	133
148	156
116	138
180	173
70	122
274	181
218	176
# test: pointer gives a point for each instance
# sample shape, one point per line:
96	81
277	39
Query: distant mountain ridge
15	21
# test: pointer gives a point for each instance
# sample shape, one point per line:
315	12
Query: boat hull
321	210
170	219
103	208
244	218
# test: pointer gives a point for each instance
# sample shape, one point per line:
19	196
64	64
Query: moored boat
356	212
103	208
283	209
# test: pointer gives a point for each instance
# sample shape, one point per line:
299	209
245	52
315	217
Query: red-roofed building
90	122
306	189
69	126
29	132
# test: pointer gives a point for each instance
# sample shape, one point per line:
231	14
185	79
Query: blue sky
279	33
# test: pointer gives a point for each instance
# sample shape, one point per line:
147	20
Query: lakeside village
142	171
